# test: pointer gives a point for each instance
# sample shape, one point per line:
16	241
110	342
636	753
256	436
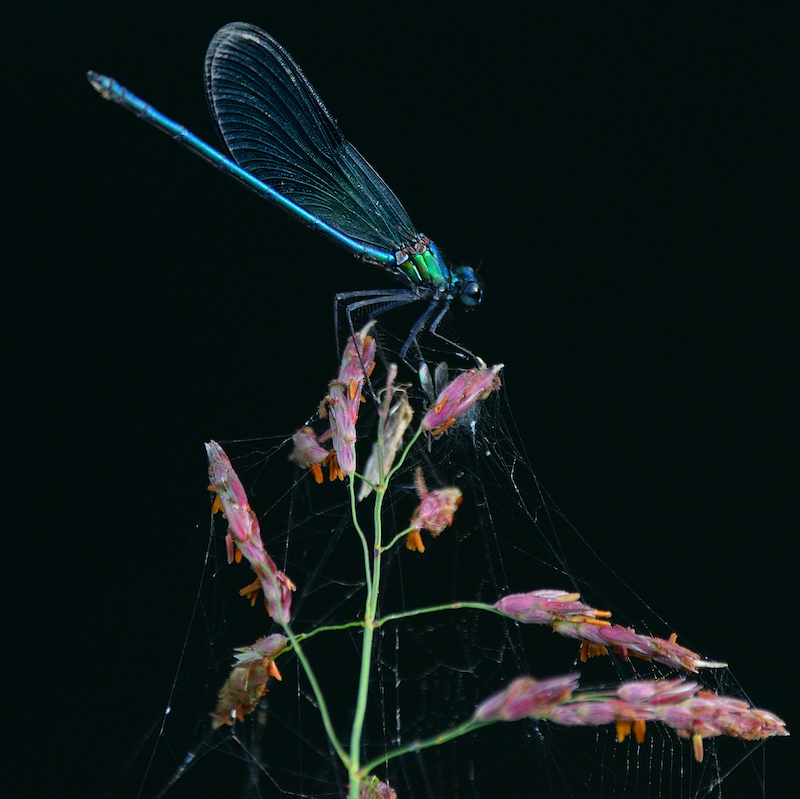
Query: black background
627	181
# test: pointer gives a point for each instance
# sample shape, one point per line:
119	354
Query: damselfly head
467	286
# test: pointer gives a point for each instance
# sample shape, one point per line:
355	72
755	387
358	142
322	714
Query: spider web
431	671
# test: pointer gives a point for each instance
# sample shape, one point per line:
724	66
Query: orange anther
594	622
316	470
591	650
250	591
639	727
697	747
414	542
623	730
335	473
273	671
444	426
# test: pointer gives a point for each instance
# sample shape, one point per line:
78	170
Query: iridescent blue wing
277	128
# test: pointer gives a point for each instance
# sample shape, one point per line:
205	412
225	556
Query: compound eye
471	294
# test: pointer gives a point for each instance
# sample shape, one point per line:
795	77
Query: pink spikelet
247	682
527	697
680	704
394	417
308	453
435	511
459	395
546	606
570	617
373	788
358	358
245	532
345	397
343	428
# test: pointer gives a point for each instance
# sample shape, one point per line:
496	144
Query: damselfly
287	148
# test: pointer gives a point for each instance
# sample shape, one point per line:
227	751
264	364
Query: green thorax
426	267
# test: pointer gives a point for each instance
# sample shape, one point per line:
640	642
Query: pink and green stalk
679	704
